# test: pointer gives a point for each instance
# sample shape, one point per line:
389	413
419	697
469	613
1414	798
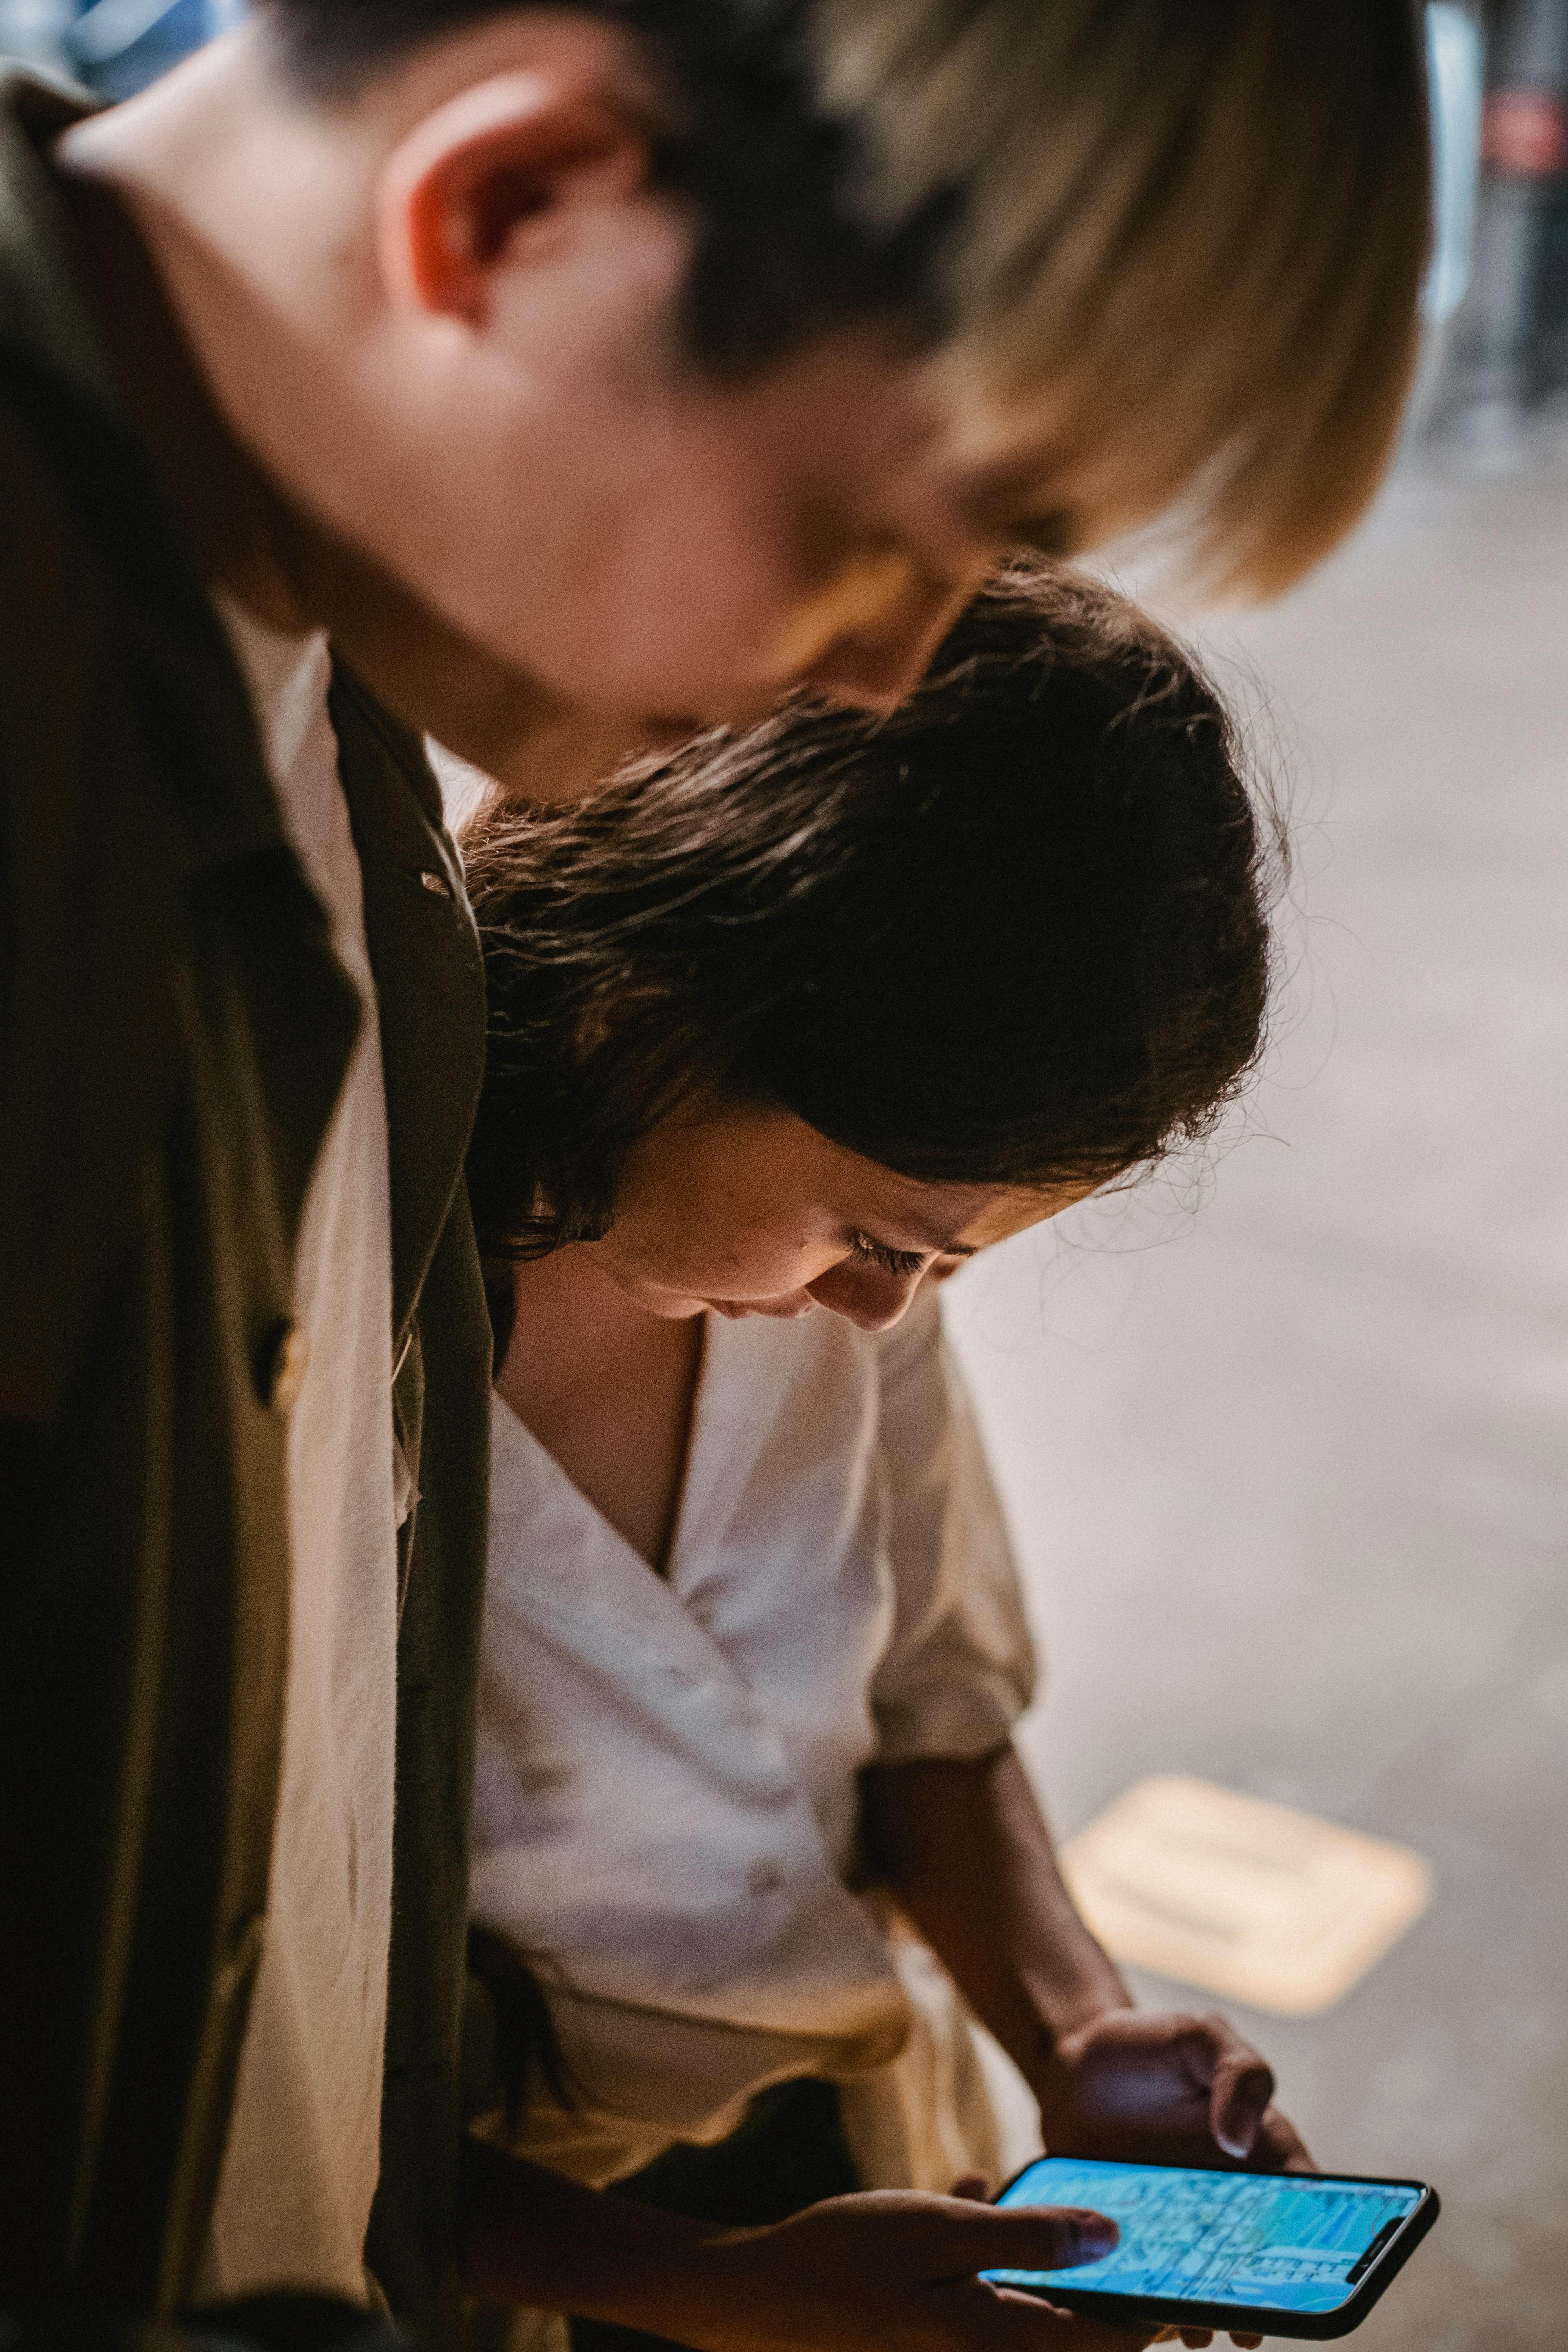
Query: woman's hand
964	1847
1194	2339
889	2272
1163	2087
897	2272
962	1844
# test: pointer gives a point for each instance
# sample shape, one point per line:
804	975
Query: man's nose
876	664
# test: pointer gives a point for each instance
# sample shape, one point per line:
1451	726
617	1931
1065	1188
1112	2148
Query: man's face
666	549
446	320
680	550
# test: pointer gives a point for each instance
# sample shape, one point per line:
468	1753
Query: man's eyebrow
1008	505
1053	536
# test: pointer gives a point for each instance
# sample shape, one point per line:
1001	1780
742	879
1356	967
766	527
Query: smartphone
1276	2253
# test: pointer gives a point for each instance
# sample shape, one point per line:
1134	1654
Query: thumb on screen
1032	2238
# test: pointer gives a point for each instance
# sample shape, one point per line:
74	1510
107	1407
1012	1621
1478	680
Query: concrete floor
1289	1462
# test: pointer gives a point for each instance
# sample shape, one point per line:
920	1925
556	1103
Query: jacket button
280	1360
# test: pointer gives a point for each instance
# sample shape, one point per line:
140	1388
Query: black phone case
1262	2319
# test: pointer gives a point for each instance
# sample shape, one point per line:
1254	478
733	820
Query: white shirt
301	2165
665	1802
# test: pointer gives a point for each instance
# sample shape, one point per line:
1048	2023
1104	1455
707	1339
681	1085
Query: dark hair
743	140
1186	233
1014	934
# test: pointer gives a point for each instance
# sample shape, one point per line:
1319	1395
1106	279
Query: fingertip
1237	2111
1063	2236
1095	2235
1234	2123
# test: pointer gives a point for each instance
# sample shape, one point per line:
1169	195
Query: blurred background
1285	1444
1285	1440
112	47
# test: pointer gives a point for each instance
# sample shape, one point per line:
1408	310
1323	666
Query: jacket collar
56	371
57	376
429	977
43	302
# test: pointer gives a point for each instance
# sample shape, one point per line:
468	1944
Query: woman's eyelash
891	1261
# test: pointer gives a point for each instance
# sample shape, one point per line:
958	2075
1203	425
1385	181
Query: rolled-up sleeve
960	1668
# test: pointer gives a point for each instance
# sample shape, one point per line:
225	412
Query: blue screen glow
1272	2240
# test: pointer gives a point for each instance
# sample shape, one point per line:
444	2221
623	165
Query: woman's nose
864	1295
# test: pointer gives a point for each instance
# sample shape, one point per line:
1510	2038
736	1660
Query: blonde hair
1173	245
1189	250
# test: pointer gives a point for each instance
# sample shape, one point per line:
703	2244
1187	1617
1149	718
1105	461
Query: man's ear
514	152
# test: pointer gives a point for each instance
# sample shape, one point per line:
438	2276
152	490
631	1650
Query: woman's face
751	1212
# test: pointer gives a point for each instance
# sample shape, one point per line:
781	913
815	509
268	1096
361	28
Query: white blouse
665	1799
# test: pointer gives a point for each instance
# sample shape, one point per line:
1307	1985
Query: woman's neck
608	1390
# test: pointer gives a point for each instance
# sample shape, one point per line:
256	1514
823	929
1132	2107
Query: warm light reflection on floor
1252	1901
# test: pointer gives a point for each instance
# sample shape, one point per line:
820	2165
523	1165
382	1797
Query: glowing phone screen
1263	2239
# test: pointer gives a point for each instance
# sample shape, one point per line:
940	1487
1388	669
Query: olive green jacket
174	1032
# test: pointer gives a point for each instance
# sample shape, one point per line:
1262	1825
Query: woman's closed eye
901	1263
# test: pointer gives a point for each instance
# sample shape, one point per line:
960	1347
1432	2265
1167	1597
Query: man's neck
250	537
237	526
